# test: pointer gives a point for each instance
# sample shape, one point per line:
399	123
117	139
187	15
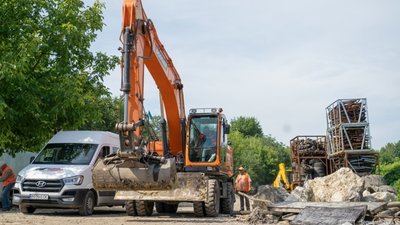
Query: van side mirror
31	159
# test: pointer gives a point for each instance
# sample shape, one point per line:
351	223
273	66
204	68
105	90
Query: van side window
105	150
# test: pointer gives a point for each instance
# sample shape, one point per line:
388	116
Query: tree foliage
108	110
258	154
390	153
248	126
49	78
390	165
391	173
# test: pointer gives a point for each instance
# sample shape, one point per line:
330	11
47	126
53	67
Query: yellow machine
283	178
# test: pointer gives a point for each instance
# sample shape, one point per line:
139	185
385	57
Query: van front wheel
27	209
87	206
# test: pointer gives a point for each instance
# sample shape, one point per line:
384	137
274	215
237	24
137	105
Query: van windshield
73	154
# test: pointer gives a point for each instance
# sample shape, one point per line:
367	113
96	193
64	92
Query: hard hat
241	168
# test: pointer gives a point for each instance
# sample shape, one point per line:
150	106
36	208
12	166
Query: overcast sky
282	62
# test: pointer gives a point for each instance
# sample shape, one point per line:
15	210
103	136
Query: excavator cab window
203	139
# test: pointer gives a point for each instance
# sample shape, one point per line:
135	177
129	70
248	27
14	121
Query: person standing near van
243	184
8	179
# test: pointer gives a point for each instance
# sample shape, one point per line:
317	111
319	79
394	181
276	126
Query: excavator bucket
160	183
131	175
189	187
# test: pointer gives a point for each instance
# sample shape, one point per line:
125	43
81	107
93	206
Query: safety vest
11	179
243	182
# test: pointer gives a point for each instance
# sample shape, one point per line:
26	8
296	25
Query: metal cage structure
309	158
348	136
348	126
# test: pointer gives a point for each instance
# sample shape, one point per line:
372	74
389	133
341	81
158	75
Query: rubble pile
341	189
270	193
376	190
258	216
344	186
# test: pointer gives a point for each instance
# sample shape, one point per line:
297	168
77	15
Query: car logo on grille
40	184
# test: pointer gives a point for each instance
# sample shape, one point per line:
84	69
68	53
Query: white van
61	174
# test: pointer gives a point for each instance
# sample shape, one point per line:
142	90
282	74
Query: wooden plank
289	217
297	207
330	216
393	204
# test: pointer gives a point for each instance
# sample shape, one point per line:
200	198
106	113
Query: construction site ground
115	216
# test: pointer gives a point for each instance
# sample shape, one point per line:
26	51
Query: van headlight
77	180
19	178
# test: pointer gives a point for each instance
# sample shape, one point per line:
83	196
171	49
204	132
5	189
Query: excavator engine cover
131	175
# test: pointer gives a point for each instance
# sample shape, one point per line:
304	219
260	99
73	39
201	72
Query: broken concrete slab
296	207
312	215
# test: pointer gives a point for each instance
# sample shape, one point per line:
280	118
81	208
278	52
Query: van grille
42	185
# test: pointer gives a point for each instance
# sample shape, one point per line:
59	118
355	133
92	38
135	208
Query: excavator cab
207	147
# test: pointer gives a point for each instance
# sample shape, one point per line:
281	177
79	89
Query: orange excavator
193	161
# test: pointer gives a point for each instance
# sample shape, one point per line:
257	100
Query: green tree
108	110
259	154
49	78
390	153
248	126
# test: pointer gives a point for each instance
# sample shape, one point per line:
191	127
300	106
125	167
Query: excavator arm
137	165
283	178
142	47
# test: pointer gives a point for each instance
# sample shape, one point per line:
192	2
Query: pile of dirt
344	186
271	193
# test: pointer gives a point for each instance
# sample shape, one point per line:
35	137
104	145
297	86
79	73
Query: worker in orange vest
8	179
243	184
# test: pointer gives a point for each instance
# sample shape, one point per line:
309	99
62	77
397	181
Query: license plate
39	196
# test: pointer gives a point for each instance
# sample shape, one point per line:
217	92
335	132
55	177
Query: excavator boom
141	46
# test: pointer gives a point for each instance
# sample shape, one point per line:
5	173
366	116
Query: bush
391	174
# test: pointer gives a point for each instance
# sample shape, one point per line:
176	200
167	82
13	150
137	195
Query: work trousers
5	196
242	199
